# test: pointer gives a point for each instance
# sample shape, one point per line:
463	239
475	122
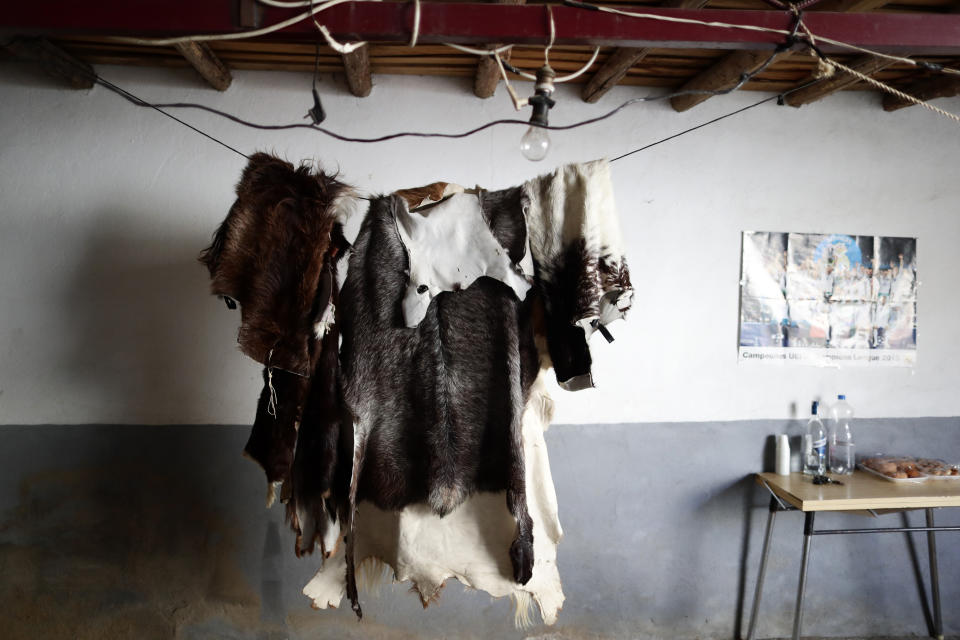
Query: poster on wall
828	299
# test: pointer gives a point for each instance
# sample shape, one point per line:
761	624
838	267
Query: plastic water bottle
841	437
815	444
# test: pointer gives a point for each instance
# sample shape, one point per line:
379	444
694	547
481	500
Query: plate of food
899	469
938	469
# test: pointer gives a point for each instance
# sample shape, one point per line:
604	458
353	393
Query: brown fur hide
268	255
275	254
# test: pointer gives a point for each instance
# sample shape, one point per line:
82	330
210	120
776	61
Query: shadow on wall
119	547
121	531
143	330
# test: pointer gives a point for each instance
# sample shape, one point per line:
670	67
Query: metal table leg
934	578
807	539
763	568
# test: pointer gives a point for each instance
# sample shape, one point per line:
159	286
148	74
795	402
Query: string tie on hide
272	402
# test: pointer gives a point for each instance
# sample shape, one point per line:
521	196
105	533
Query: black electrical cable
699	126
744	78
143	103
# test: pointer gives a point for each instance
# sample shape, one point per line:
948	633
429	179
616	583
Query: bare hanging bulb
535	144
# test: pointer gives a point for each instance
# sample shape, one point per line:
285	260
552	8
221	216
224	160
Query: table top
860	491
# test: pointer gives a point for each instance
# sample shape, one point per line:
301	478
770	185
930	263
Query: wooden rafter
722	75
623	58
727	71
356	65
54	61
925	89
488	73
207	64
867	65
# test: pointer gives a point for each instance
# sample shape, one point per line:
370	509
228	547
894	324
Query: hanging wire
790	40
143	103
703	124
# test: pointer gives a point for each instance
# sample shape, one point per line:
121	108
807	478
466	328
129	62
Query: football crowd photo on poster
810	298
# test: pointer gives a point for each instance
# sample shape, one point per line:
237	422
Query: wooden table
860	492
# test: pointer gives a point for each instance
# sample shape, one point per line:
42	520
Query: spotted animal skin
437	406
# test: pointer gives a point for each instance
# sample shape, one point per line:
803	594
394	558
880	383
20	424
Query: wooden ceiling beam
54	61
488	72
924	89
206	63
867	65
356	65
623	59
721	76
613	70
475	23
728	70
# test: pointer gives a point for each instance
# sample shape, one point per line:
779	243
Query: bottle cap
841	397
813	408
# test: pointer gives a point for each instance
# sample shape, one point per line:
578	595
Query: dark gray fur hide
438	406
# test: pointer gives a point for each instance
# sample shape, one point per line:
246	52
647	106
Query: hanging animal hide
470	544
581	269
275	255
437	406
419	442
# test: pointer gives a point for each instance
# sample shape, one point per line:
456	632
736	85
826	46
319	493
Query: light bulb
535	144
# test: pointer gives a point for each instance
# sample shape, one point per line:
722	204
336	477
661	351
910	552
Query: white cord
878	54
553	35
518	103
333	44
285	5
490	52
159	42
725	25
351	47
342	49
747	27
478	52
416	23
582	70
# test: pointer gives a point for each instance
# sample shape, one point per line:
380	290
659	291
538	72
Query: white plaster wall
104	315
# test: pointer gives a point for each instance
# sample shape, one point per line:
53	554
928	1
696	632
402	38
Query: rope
272	401
891	90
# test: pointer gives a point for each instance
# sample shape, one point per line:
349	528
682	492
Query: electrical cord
745	77
578	4
790	40
143	103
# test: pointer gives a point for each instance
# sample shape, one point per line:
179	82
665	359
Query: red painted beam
481	23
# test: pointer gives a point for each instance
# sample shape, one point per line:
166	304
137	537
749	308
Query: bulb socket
541	100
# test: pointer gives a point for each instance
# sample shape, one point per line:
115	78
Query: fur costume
419	443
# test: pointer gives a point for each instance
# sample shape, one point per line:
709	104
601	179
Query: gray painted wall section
154	532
